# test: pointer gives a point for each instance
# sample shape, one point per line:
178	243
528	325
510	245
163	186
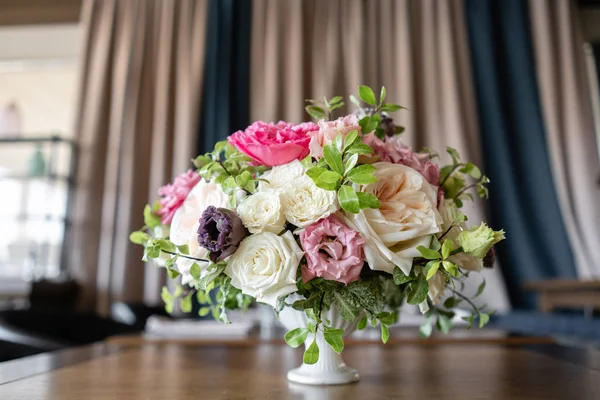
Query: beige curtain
564	90
417	49
136	125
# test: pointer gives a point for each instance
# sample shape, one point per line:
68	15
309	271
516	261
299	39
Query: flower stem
450	173
465	298
185	256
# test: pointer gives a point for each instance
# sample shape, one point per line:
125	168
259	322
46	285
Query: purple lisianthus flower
220	232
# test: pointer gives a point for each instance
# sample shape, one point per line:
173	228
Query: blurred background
104	101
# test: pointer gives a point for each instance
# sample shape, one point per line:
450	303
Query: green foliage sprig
453	178
374	110
323	109
338	170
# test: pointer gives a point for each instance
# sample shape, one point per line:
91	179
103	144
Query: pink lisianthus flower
333	251
328	130
174	194
274	144
394	150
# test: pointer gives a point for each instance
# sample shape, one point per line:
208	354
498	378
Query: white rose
406	219
265	266
184	227
280	176
447	210
262	212
304	203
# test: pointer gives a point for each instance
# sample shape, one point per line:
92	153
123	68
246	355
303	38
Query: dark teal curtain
523	200
225	107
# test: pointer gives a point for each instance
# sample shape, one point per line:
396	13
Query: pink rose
328	130
394	150
173	195
274	144
333	251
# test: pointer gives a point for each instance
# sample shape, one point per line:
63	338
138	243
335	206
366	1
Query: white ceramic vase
330	369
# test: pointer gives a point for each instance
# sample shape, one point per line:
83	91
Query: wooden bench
562	293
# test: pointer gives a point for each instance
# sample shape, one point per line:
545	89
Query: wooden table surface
257	371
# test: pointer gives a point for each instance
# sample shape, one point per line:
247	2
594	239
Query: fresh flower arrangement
340	212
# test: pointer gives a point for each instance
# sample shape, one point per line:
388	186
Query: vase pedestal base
308	375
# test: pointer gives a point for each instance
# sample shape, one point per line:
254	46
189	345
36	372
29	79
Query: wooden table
566	293
239	370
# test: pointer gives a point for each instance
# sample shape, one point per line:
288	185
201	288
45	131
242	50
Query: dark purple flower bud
490	258
220	232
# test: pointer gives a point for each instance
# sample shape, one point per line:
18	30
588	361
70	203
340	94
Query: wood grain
258	372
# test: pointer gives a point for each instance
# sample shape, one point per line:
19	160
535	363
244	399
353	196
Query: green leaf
307	162
335	100
387	318
151	220
173	273
385	333
363	179
330	177
139	237
350	163
333	158
392	108
370	123
360	148
165	245
361	170
469	320
400	278
432	267
203	312
451	268
362	324
480	289
418	291
296	337
316	112
454	154
311	327
472	170
350	138
426	329
483	319
195	271
367	200
366	94
447	248
354	101
348	199
185	304
382	95
338	142
444	323
452	302
428	253
435	244
334	338
183	249
346	310
315	172
311	355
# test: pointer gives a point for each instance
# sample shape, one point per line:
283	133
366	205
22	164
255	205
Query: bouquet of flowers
337	215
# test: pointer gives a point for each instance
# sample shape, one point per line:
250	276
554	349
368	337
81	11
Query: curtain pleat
567	110
417	49
225	105
136	128
522	194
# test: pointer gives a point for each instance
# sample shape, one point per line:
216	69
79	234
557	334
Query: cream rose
447	210
185	224
265	266
262	212
304	203
406	219
280	176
